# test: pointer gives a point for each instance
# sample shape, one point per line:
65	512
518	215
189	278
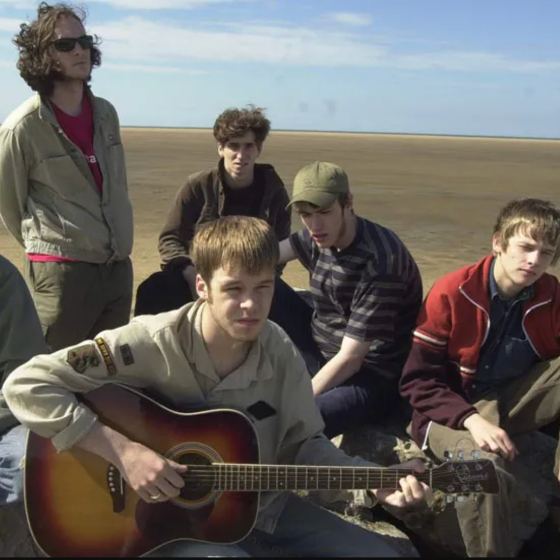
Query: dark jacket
202	199
451	329
21	336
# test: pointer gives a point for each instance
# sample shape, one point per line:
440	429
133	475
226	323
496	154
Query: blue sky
476	67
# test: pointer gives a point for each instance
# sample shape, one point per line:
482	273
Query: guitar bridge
116	486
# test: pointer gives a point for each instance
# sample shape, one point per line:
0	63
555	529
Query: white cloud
161	4
165	47
295	46
347	18
152	69
132	4
19	5
10	24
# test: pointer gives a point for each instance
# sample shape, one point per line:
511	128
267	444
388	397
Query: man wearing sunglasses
63	186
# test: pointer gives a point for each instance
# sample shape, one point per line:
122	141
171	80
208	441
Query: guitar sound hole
198	482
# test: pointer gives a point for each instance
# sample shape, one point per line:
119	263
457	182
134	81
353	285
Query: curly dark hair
237	122
36	64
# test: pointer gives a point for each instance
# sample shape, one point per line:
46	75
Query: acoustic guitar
79	505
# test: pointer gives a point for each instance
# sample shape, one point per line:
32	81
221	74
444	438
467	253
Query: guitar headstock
465	477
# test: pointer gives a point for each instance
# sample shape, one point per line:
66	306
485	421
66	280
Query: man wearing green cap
366	291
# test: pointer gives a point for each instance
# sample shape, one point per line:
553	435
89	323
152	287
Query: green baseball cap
319	183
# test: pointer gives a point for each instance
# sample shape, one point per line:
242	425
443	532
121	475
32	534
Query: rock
15	538
365	518
389	445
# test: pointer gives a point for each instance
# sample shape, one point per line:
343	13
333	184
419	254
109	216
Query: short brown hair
237	122
534	217
234	243
36	64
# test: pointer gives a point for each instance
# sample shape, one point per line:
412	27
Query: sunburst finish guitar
79	505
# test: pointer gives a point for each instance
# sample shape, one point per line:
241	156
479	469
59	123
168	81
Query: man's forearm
287	253
105	443
335	372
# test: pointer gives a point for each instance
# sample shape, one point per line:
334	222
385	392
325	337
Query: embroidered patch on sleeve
126	353
107	358
82	357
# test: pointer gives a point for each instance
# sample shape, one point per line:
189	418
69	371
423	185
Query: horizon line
378	133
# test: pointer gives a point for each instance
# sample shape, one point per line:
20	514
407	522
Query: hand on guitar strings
153	477
411	493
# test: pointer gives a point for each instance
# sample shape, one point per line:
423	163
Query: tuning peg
475	455
448	455
461	455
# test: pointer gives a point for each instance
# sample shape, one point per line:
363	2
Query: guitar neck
252	478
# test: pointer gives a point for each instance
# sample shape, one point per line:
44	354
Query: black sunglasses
68	44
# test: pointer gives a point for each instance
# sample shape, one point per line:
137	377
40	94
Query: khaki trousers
524	404
75	301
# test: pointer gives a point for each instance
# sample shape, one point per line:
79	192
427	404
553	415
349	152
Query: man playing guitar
219	352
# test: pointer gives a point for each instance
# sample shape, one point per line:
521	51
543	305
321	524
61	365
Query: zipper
523	324
484	310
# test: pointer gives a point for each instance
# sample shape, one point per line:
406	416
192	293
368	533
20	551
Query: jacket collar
477	285
47	114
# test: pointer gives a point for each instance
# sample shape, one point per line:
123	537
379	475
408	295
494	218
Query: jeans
303	530
365	397
12	453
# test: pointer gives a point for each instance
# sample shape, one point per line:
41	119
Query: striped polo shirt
370	291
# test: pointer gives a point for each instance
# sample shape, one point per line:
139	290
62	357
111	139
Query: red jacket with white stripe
452	327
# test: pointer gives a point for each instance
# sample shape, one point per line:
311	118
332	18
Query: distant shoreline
353	133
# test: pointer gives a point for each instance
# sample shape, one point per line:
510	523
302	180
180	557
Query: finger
428	493
484	446
509	453
415	488
406	490
495	447
395	499
172	476
151	494
177	466
510	446
504	449
167	489
390	497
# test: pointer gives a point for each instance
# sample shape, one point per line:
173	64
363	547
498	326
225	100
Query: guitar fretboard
252	478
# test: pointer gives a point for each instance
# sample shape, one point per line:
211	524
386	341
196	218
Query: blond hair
536	218
234	243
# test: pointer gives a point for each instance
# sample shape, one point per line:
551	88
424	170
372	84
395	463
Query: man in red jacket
484	362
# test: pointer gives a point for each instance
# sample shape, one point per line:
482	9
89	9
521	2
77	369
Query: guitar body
78	505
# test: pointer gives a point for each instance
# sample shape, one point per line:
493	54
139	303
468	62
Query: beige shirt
170	359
